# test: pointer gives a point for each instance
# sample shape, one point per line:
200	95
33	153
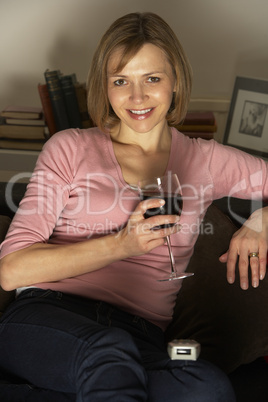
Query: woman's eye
153	79
120	82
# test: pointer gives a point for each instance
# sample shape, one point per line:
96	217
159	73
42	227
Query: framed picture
247	121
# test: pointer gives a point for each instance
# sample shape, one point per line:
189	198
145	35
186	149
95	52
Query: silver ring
254	254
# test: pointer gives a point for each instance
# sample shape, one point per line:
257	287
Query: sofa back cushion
230	323
5	297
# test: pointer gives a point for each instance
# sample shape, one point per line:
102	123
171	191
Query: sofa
230	324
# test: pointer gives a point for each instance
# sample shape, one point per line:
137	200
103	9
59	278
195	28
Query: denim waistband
102	312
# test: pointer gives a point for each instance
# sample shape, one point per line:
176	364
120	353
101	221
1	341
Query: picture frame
247	121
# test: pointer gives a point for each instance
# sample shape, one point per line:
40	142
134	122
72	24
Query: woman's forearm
48	262
42	262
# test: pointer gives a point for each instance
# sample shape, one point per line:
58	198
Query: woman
90	314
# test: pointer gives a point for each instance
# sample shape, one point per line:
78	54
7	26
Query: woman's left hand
252	237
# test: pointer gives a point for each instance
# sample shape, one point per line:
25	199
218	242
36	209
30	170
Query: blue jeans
94	350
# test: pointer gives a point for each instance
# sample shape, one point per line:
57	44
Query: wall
223	39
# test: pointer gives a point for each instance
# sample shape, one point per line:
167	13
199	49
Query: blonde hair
129	33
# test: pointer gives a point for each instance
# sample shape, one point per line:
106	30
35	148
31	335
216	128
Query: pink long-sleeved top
77	192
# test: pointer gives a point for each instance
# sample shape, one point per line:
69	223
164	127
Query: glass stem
171	256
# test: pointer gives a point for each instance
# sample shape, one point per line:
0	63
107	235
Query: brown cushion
230	323
5	297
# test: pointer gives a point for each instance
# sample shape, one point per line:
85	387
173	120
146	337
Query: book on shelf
198	121
25	122
55	91
81	94
26	145
71	103
67	101
22	112
199	134
17	131
197	118
197	128
47	108
198	125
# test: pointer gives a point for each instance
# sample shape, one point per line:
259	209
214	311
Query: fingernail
244	285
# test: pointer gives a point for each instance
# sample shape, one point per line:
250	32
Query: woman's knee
107	348
112	355
208	382
190	381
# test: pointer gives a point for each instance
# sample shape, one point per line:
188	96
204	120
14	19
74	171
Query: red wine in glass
167	188
173	206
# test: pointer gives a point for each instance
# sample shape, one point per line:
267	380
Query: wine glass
167	188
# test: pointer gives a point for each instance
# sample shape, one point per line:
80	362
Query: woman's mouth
140	114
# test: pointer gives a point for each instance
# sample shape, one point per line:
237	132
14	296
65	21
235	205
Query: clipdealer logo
255	182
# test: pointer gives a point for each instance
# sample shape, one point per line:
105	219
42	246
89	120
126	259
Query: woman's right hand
139	236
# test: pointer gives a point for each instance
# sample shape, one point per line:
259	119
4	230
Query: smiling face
141	93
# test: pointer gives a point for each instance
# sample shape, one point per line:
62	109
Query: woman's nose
138	93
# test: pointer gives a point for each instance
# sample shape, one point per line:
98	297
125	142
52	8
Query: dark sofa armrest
230	323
